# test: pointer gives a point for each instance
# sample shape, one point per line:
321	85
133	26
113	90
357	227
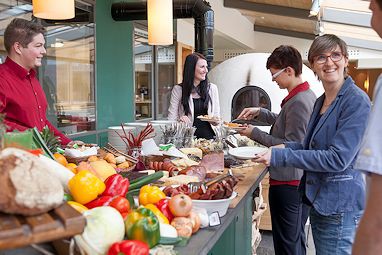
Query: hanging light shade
160	22
315	9
53	9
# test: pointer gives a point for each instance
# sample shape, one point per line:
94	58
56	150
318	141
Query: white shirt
370	156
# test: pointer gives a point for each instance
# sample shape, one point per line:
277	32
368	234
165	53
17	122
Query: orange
60	159
72	167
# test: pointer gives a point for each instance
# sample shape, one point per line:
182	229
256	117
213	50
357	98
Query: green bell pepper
142	224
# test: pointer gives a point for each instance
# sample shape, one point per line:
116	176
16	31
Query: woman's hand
249	113
263	157
246	132
185	119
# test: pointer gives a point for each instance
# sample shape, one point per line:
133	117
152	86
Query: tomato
121	204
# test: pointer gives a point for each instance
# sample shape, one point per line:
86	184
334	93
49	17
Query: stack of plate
138	126
115	140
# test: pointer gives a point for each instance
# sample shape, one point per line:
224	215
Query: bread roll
27	187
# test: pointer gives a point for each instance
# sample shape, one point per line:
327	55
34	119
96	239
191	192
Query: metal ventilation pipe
200	10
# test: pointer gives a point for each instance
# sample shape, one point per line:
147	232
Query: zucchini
169	240
139	182
177	241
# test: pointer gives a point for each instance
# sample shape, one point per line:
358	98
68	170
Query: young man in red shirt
22	98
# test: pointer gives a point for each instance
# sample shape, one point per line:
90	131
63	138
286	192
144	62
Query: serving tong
194	186
110	148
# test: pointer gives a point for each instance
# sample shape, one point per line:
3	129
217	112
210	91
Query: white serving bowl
219	205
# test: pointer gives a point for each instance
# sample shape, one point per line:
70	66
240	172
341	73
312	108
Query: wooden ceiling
285	17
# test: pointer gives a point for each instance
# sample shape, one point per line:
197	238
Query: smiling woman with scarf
287	212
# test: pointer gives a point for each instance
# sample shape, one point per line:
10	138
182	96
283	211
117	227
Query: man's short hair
22	31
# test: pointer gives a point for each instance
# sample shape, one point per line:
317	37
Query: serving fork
194	186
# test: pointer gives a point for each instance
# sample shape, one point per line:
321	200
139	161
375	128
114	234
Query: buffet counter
234	234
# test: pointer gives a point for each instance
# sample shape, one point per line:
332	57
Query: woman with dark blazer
330	184
288	214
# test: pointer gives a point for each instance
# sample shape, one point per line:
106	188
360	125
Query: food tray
18	231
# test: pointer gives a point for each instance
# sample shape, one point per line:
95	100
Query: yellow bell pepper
79	208
158	213
85	187
150	195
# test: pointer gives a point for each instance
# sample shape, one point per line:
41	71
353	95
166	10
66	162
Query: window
67	74
152	95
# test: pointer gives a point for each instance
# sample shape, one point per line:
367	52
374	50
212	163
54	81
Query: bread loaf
27	187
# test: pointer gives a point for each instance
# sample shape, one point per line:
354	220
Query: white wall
232	74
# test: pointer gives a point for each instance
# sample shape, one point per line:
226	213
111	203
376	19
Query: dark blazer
328	153
289	125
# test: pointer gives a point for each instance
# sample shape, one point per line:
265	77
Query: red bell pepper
164	208
116	185
100	201
129	247
118	202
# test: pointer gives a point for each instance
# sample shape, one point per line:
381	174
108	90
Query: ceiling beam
268	8
349	17
290	33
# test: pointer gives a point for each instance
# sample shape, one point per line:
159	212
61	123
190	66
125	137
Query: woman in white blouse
195	96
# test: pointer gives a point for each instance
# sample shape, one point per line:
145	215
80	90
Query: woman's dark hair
22	31
284	56
188	83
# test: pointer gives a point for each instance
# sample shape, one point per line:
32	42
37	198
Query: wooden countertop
248	177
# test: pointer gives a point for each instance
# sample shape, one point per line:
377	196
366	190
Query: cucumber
139	182
133	192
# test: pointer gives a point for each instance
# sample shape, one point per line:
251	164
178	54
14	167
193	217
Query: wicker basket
77	160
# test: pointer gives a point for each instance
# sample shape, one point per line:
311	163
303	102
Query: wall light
53	9
366	83
160	22
315	9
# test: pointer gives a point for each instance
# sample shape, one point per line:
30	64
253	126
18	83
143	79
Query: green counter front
234	234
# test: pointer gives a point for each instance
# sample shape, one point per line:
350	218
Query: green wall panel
114	68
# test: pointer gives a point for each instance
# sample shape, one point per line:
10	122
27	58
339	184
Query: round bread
27	187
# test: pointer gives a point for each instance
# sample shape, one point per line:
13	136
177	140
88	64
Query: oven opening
249	96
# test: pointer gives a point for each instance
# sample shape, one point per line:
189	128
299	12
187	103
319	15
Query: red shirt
22	99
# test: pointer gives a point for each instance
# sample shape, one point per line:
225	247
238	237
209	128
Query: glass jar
135	152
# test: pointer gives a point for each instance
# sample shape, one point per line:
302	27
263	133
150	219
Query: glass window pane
143	67
166	78
67	72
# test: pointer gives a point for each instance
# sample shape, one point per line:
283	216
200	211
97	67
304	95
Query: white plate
248	152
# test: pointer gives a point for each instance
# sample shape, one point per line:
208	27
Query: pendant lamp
160	22
53	9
